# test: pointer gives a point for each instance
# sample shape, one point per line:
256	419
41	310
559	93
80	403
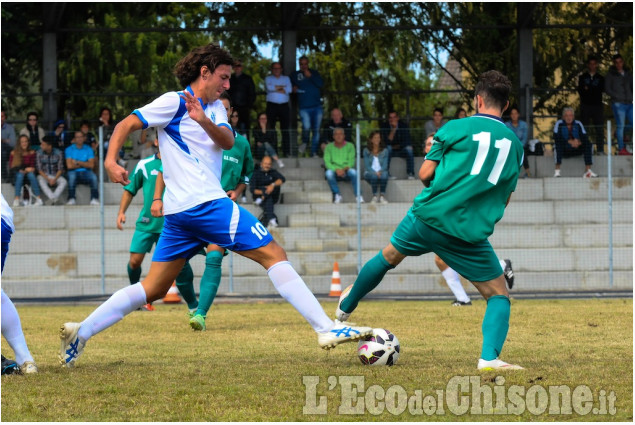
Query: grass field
249	364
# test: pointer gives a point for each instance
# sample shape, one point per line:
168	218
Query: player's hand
121	219
116	172
193	106
232	195
157	208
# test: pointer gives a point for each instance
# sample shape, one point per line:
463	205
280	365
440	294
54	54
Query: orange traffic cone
336	285
172	297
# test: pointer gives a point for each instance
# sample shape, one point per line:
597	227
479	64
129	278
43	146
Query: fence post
610	183
231	272
102	224
358	194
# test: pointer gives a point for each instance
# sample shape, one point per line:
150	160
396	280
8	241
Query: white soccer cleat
496	364
28	367
71	347
340	315
342	332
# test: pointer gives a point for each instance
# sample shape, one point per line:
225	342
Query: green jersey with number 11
479	161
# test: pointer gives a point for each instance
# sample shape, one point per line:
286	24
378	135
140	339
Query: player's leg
12	332
134	266
210	281
454	282
185	285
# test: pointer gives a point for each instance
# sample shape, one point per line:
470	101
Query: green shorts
142	241
475	262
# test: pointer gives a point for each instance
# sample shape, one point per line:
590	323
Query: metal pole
231	272
359	205
102	223
610	183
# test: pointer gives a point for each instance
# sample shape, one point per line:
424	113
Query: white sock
293	289
502	264
12	330
454	282
121	303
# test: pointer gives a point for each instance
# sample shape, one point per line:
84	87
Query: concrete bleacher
555	231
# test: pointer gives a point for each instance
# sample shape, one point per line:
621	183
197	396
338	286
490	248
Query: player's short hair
188	69
494	87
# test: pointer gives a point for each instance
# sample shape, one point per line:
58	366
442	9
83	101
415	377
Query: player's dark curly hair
188	69
494	88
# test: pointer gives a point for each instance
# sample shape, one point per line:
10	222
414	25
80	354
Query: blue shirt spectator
82	154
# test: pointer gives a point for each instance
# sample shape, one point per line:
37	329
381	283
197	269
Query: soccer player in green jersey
469	175
148	228
238	166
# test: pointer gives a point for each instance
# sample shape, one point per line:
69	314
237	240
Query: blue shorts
221	222
6	238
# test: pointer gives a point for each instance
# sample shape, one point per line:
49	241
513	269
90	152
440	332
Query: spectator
520	129
307	83
61	139
50	169
339	160
590	88
234	121
460	113
8	144
278	87
376	166
337	121
80	160
619	85
265	140
436	122
265	190
149	142
243	93
34	132
571	139
22	164
108	126
396	135
90	141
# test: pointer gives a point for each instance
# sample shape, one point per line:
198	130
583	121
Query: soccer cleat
589	174
197	322
341	315
147	307
509	273
9	367
71	347
556	173
28	367
342	332
496	364
457	303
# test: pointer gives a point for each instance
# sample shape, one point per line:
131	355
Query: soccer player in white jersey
11	324
193	131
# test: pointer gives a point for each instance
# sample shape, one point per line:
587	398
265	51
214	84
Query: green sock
495	326
210	281
369	277
185	285
134	274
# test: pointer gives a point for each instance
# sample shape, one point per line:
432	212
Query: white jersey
7	214
192	162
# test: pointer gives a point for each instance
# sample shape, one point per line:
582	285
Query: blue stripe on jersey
172	129
143	120
228	126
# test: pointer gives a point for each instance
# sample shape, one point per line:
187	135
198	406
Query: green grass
249	364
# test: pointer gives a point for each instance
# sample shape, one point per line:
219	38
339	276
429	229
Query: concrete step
321	245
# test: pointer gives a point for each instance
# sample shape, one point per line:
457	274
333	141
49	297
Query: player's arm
426	172
122	131
508	199
221	135
157	200
126	199
234	194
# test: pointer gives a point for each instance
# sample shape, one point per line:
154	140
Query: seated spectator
436	122
34	132
91	141
520	129
337	121
61	139
22	165
571	139
143	144
396	135
50	169
376	166
8	144
80	161
339	160
265	140
108	125
460	113
265	189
